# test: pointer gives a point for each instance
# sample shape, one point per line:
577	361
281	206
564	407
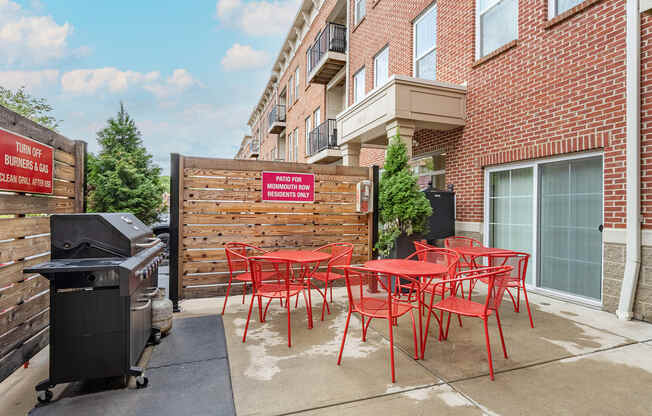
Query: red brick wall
371	156
560	89
646	120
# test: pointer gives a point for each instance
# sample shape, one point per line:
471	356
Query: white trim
469	226
478	14
619	236
534	164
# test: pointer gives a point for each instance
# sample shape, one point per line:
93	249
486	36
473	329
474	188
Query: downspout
633	157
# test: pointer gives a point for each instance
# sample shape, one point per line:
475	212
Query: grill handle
155	241
140	308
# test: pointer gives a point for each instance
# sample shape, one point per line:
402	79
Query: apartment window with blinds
296	144
496	24
358	85
307	135
290	147
425	45
316	118
290	91
381	67
296	83
360	10
557	7
307	64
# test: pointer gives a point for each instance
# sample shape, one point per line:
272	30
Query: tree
35	109
403	208
122	177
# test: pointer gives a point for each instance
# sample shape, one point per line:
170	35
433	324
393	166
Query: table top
410	268
480	251
299	256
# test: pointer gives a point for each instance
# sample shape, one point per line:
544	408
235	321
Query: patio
575	361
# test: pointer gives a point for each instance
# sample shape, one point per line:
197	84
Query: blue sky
189	72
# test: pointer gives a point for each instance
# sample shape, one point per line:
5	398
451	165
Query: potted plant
404	209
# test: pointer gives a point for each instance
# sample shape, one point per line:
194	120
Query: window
296	83
360	10
290	147
425	45
290	91
307	64
308	135
358	85
557	7
296	144
381	67
496	24
316	118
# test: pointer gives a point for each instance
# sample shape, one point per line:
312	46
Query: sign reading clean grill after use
25	165
288	187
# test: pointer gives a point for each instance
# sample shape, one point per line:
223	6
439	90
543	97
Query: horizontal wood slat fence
25	241
215	201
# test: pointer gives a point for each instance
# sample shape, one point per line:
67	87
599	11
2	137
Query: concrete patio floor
576	361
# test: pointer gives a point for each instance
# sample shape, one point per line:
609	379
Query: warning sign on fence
25	165
288	187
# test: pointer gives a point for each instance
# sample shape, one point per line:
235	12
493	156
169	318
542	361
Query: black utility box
442	220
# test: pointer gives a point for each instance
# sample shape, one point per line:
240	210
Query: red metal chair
455	241
382	304
272	279
516	279
445	257
237	255
497	279
341	256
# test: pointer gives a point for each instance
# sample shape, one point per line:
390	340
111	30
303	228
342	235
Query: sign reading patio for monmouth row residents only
25	165
288	187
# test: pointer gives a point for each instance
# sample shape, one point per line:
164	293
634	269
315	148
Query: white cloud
30	39
240	57
226	7
29	79
179	81
88	81
259	18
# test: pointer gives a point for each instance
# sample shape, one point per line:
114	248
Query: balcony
254	149
327	54
276	119
322	143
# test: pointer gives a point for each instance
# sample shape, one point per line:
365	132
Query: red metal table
410	268
472	253
304	258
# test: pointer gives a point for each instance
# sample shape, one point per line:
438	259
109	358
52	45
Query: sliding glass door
552	210
570	217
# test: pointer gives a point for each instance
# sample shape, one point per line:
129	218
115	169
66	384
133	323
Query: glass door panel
570	213
511	199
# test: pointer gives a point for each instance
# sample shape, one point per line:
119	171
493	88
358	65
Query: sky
189	72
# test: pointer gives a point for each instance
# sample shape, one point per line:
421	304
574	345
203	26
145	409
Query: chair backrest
455	241
443	256
516	259
268	269
422	245
237	255
341	254
378	303
497	279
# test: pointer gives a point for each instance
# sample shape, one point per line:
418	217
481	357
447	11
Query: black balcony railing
277	114
332	38
323	137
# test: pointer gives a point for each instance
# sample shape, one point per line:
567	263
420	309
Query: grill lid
96	235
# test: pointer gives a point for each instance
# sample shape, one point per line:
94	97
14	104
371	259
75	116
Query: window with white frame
381	67
290	147
290	91
307	64
557	7
296	83
358	85
360	10
307	135
425	45
496	24
296	144
316	118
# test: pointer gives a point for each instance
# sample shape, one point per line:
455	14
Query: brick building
521	105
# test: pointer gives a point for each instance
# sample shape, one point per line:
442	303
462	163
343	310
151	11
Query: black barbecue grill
103	273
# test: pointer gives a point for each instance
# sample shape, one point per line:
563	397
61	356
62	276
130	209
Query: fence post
80	176
174	240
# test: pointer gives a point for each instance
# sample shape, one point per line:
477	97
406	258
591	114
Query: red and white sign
25	164
288	187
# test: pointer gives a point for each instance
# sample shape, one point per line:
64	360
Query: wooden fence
25	241
214	201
